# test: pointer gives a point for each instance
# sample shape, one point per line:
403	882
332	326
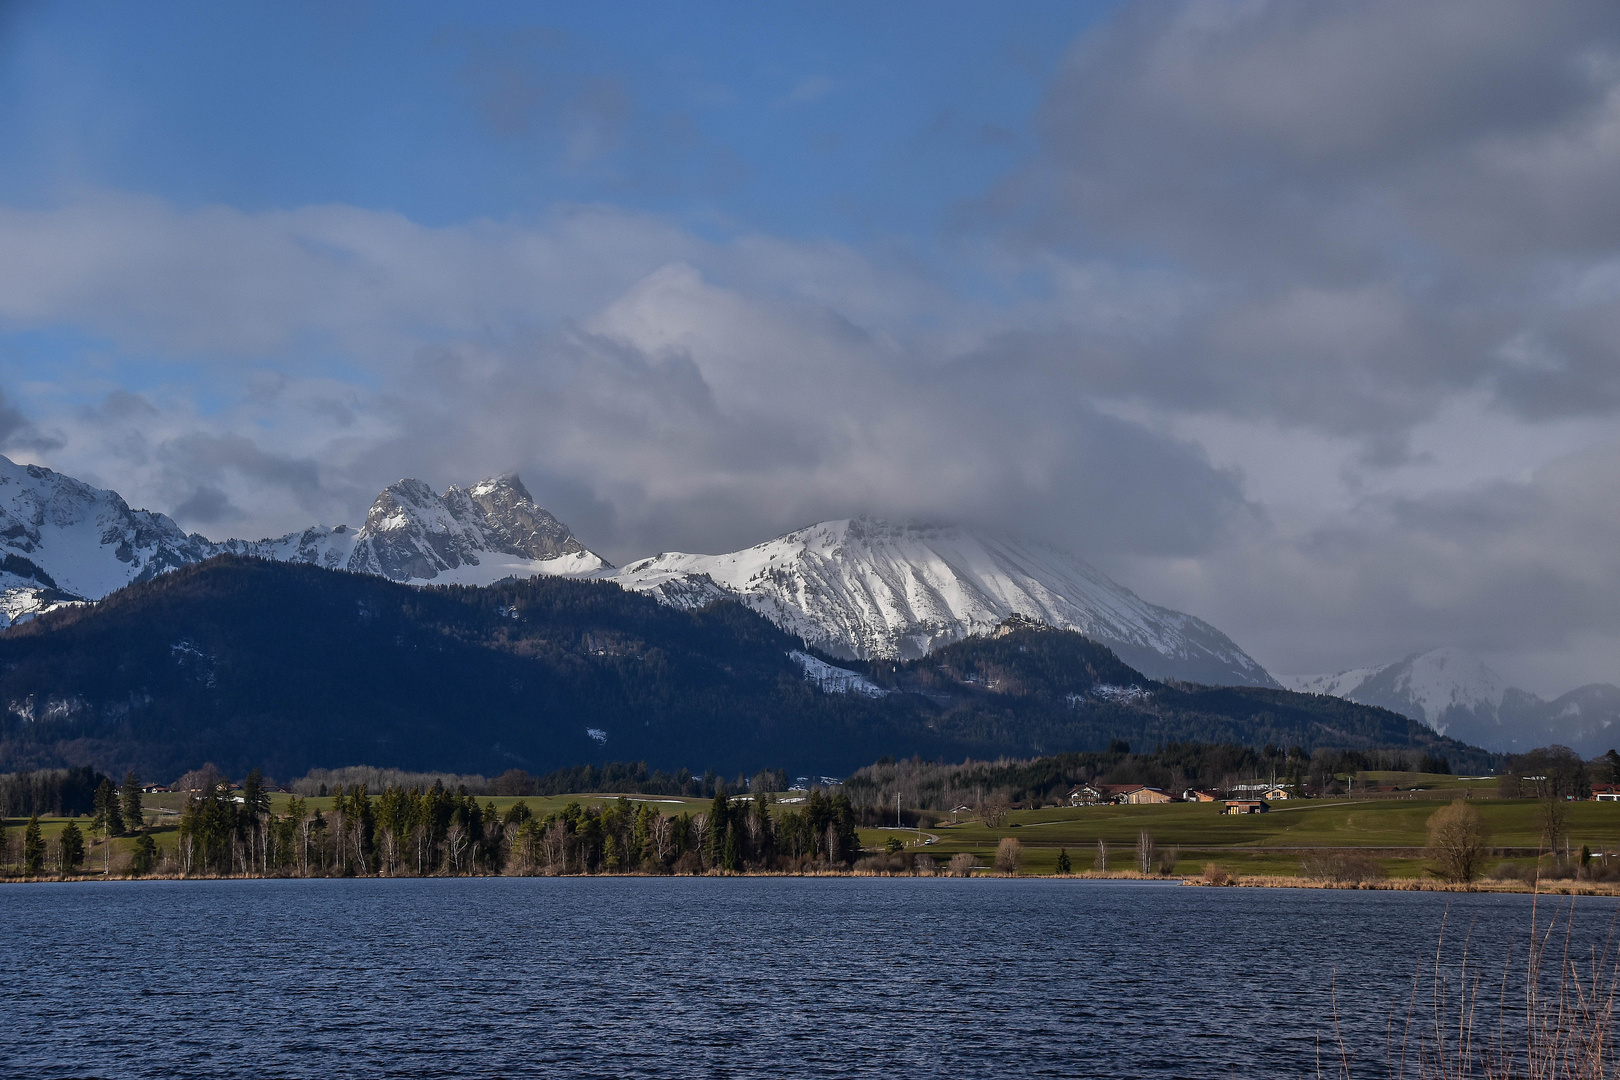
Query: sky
1300	316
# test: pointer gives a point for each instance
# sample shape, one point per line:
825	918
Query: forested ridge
286	668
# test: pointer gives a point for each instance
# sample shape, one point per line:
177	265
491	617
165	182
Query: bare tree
1102	857
455	845
925	866
1144	851
1458	842
555	843
1009	856
1554	814
661	830
993	811
961	864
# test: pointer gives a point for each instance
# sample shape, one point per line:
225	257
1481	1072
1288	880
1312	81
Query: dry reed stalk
1565	1030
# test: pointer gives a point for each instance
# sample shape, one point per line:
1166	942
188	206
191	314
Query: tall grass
1550	1019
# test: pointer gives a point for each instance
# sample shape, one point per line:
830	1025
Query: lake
705	977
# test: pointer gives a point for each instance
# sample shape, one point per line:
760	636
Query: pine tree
109	819
33	848
72	847
1063	866
145	857
131	797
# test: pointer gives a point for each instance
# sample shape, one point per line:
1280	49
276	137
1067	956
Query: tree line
403	831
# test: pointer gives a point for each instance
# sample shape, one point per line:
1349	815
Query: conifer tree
109	819
1063	865
72	846
145	857
33	848
131	798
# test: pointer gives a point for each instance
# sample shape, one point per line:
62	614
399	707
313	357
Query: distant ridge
1457	694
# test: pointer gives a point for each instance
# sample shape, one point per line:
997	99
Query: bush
1349	867
1215	874
925	866
961	864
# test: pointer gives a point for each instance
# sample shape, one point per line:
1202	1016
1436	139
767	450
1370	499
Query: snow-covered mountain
857	588
863	589
1455	693
63	541
467	536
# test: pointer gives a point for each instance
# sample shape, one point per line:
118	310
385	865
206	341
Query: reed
1550	1019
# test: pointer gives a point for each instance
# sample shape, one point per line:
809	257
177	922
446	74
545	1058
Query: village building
1139	794
1087	795
1605	793
1198	795
1245	806
1277	793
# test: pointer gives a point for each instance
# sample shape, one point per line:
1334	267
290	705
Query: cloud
1370	205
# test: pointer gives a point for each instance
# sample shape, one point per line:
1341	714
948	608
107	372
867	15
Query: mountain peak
865	588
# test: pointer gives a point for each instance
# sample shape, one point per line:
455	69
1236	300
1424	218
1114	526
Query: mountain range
857	589
287	667
1457	694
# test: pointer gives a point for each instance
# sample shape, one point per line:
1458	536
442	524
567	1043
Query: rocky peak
514	524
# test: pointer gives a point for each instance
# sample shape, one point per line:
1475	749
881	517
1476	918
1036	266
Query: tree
109	819
1554	814
1063	865
1458	842
1009	854
145	856
33	848
962	864
131	797
72	847
1102	857
1144	851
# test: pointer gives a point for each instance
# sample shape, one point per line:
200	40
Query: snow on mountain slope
862	589
61	539
1457	694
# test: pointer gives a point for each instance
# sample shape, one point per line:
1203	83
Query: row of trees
409	831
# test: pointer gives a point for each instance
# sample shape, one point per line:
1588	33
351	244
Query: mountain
1455	693
856	589
467	536
287	667
865	589
63	541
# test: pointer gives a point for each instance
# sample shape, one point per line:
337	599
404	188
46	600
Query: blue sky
854	121
1298	315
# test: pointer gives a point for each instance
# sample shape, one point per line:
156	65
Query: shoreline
1554	888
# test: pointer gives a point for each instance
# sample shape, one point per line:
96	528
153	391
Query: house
1277	793
1196	795
1245	806
1605	793
1087	795
1139	794
154	789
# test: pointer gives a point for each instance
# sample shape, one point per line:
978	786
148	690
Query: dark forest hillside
289	667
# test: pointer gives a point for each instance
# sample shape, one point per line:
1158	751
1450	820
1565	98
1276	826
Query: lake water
705	977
